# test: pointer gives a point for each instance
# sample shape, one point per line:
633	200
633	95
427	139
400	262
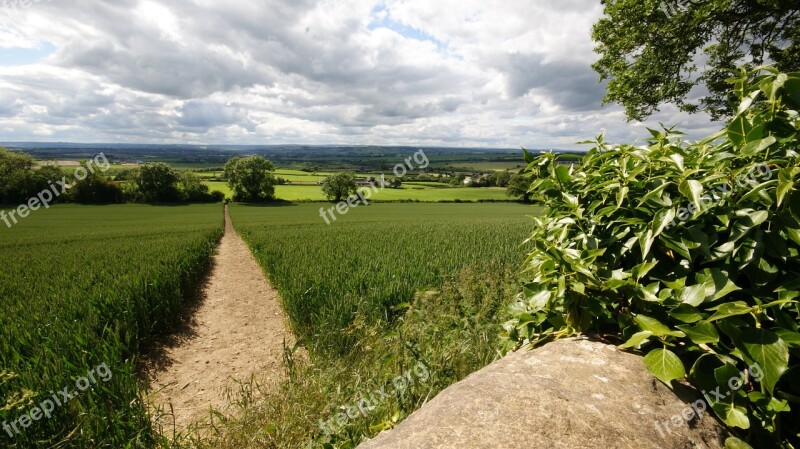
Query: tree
251	178
339	186
193	190
500	178
96	188
650	50
18	179
518	187
157	182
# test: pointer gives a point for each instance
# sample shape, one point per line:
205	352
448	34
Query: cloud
463	73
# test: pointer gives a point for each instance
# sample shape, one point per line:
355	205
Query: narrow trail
236	331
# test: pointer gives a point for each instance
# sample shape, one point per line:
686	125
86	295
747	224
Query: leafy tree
650	50
193	190
395	183
157	182
96	188
251	178
500	178
518	186
686	252
339	186
18	179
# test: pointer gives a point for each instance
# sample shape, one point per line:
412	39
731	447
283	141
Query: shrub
689	252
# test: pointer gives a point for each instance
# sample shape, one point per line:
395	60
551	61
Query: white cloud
450	72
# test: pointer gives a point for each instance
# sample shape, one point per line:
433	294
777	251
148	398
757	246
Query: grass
385	288
87	285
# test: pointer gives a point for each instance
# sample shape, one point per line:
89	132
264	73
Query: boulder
571	393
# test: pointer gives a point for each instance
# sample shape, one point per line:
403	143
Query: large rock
572	393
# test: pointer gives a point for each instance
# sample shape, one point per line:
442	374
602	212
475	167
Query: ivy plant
688	252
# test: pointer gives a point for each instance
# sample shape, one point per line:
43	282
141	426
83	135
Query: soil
235	331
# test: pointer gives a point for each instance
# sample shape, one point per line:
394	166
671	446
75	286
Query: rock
572	393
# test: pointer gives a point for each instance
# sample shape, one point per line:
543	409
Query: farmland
84	286
384	288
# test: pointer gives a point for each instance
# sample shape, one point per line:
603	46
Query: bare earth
237	331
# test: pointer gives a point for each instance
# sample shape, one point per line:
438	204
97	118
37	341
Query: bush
689	252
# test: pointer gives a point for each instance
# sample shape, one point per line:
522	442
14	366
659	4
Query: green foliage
18	179
339	186
687	251
193	190
251	179
96	188
157	182
518	187
649	49
82	286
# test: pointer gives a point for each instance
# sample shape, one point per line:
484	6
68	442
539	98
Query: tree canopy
657	52
339	186
251	178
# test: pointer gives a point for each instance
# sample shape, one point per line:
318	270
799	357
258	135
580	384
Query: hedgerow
687	252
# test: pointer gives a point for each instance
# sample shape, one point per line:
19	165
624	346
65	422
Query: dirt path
237	330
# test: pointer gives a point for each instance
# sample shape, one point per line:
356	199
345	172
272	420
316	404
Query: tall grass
81	286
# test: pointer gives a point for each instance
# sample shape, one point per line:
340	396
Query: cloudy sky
486	73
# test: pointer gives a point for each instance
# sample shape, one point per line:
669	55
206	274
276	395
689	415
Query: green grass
87	285
384	288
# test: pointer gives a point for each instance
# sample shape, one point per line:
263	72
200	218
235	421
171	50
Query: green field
411	192
84	286
385	288
374	257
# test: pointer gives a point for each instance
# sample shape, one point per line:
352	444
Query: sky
456	73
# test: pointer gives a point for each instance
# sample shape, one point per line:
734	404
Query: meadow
84	286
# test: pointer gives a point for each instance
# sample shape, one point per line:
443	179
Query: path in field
237	330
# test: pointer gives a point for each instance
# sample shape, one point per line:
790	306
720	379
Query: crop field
411	192
85	286
373	258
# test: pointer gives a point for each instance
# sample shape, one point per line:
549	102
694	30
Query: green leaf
652	325
765	349
784	187
757	146
664	365
646	239
735	443
730	309
738	129
733	416
637	340
686	313
692	190
702	333
527	156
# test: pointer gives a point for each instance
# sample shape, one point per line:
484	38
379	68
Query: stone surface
571	393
